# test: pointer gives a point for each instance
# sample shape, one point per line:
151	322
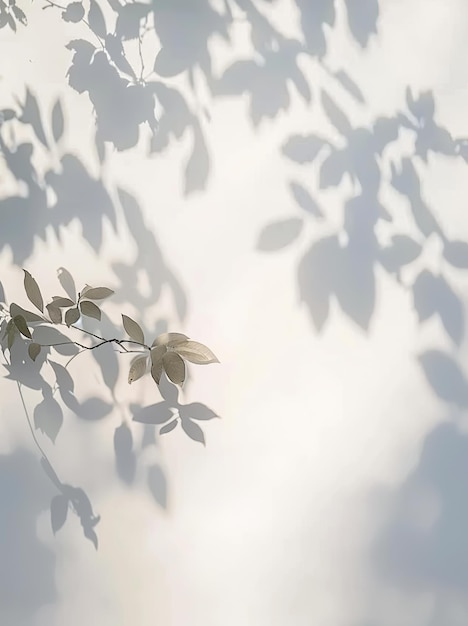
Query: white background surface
333	489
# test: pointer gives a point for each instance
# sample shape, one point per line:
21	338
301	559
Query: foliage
25	354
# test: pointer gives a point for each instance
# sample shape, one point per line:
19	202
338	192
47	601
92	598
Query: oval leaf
55	313
58	512
72	316
137	368
12	332
156	371
34	350
58	123
29	316
21	325
32	291
133	329
169	339
67	282
174	367
195	352
60	301
193	430
97	293
168	427
90	309
96	19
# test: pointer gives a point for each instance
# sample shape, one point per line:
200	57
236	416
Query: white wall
332	491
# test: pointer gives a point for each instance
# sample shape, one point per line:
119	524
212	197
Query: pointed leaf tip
133	329
137	368
195	352
32	291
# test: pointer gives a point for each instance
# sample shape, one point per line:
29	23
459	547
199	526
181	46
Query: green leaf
137	368
175	367
60	301
58	123
58	512
34	350
97	293
32	291
168	427
133	329
96	19
169	339
90	309
21	325
195	352
72	316
55	313
29	316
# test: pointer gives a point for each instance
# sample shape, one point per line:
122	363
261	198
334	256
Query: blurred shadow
342	266
27	566
423	546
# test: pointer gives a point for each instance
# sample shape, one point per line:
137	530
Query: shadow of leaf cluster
131	90
342	265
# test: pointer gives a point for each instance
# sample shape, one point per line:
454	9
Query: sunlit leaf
169	339
29	316
96	19
168	427
34	350
193	430
137	368
21	325
72	316
97	293
196	352
58	123
156	371
174	367
58	512
60	301
133	329
90	309
32	291
55	313
157	354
